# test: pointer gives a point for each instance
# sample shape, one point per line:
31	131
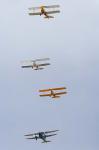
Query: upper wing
45	90
53	12
60	93
31	134
33	8
43	64
51	135
38	13
61	88
51	131
27	66
42	59
51	6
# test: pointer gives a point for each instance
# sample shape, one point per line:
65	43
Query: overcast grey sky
70	40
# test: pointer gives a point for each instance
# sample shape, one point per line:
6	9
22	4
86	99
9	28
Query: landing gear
36	138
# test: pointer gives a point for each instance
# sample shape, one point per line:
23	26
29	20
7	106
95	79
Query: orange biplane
52	92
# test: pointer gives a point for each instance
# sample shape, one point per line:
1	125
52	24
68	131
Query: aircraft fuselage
42	136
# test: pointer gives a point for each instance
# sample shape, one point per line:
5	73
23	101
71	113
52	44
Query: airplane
41	135
35	65
52	93
45	10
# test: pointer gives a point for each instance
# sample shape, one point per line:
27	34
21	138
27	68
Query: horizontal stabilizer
46	141
47	17
38	68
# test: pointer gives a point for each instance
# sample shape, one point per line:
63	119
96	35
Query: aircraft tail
55	96
47	17
39	69
46	141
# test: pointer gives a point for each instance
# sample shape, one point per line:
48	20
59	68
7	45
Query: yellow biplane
44	10
52	92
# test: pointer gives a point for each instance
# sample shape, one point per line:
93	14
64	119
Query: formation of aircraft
35	64
41	135
39	64
52	92
44	10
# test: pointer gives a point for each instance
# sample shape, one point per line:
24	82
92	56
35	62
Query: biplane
41	135
44	10
34	64
52	92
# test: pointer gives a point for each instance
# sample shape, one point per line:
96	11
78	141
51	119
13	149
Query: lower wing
31	138
27	66
44	64
45	95
38	13
48	12
60	93
53	12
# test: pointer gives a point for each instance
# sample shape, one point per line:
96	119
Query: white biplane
35	65
51	92
44	10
